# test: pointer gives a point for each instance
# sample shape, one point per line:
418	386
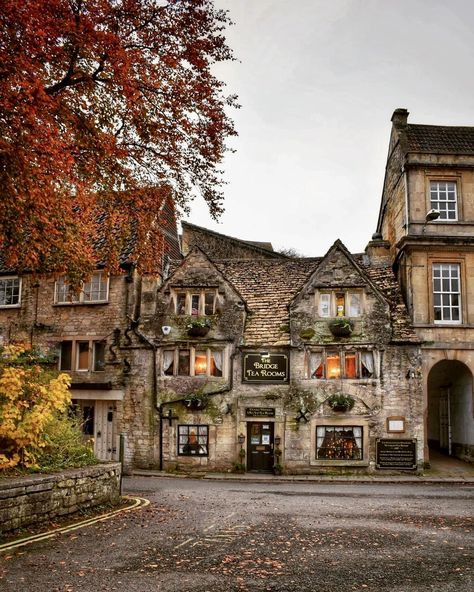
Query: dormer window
194	301
96	290
340	304
443	197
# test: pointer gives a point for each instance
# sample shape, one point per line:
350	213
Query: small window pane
96	289
183	362
200	363
354	305
181	303
99	356
193	440
333	364
66	356
350	366
209	298
63	292
340	305
195	304
82	348
325	305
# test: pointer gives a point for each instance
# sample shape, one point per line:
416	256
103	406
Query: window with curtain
192	362
340	364
340	304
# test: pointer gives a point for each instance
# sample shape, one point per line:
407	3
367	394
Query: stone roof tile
440	139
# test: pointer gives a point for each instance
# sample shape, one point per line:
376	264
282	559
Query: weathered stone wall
30	500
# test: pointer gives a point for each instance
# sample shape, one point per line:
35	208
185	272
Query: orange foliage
99	101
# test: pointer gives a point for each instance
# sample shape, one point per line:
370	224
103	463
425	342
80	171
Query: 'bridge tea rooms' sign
263	367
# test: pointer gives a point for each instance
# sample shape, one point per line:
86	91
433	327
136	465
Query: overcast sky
318	81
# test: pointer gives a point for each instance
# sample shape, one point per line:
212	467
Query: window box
341	327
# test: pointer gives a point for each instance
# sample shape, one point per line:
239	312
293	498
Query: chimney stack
400	117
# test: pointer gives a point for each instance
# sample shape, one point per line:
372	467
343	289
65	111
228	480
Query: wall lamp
241	439
431	215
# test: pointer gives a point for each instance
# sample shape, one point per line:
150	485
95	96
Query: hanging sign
270	368
396	454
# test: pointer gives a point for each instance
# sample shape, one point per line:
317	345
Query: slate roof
268	287
440	139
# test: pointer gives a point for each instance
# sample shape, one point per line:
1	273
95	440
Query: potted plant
198	327
340	402
277	469
341	327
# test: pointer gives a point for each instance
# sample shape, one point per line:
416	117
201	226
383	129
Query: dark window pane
66	356
183	363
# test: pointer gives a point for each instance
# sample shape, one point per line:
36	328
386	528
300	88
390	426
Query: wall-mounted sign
260	412
395	454
268	368
396	424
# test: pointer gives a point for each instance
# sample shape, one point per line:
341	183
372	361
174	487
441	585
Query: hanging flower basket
196	402
198	327
340	402
341	327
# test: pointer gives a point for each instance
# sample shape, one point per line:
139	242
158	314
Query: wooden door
260	447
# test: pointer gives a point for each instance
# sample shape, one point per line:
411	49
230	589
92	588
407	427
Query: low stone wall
32	499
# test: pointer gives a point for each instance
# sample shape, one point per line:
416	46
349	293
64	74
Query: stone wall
33	499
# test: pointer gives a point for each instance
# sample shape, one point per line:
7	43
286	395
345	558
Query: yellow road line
138	502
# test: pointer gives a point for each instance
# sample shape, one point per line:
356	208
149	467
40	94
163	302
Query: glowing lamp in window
200	363
333	366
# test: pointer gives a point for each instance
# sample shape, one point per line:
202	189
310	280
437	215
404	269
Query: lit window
10	291
192	362
339	304
443	197
95	290
347	364
193	440
82	353
196	302
339	442
447	292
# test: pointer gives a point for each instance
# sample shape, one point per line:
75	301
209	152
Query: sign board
270	368
396	454
260	412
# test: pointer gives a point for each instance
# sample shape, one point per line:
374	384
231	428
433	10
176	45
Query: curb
306	478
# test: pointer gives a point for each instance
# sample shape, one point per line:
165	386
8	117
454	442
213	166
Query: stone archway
450	426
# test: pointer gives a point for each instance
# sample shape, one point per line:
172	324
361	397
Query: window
192	362
340	304
82	356
443	197
447	292
337	364
10	291
93	291
195	302
193	440
339	442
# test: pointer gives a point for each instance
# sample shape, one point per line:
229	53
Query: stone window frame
340	422
202	434
432	261
72	362
193	350
333	312
447	178
325	352
7	283
63	296
189	292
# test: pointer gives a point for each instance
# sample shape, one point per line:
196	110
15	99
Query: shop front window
339	442
193	440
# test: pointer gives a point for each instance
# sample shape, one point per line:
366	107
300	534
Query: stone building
427	217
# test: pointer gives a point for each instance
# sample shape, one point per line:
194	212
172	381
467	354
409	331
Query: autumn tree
99	101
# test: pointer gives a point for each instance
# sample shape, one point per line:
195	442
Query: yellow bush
30	396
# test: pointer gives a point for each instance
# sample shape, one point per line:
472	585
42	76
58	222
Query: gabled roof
222	246
439	139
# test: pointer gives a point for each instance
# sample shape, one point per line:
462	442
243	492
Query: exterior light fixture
431	215
241	439
264	355
277	441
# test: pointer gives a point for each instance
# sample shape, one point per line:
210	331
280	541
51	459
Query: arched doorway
450	425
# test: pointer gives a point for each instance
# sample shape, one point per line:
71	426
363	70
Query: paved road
204	536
